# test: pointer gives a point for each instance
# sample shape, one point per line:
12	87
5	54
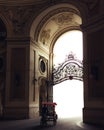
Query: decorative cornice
21	2
18	40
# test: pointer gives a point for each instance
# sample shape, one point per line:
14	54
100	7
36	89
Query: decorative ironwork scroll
71	68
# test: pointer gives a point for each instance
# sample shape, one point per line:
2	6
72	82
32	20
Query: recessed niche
42	65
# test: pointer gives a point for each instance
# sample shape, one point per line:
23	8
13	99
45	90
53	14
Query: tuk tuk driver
44	110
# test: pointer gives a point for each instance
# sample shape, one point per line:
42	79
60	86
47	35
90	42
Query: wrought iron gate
71	68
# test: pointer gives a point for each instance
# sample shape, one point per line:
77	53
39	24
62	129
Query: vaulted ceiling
55	21
57	25
50	23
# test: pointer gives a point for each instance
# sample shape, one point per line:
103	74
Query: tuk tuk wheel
43	122
54	122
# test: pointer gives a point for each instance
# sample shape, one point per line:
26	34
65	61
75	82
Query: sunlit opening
69	98
68	94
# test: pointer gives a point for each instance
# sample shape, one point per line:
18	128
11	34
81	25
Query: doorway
68	94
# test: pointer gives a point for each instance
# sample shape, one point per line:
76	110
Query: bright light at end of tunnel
69	42
69	98
69	94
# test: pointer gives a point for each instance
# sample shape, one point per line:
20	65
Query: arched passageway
68	74
60	19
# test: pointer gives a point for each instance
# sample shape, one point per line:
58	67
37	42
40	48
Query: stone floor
34	124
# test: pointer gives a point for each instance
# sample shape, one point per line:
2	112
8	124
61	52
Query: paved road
31	124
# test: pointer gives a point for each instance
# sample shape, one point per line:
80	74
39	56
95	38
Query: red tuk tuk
48	113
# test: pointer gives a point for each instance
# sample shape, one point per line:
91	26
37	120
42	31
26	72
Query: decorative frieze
45	36
18	16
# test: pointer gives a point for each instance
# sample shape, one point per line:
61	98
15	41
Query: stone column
93	63
50	77
33	83
17	78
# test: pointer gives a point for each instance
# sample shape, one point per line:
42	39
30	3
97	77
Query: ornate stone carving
18	16
50	16
63	18
45	36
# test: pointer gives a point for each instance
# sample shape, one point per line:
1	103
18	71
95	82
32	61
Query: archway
69	98
68	74
52	23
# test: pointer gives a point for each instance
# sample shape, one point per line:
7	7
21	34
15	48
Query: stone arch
44	16
40	25
7	24
60	33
